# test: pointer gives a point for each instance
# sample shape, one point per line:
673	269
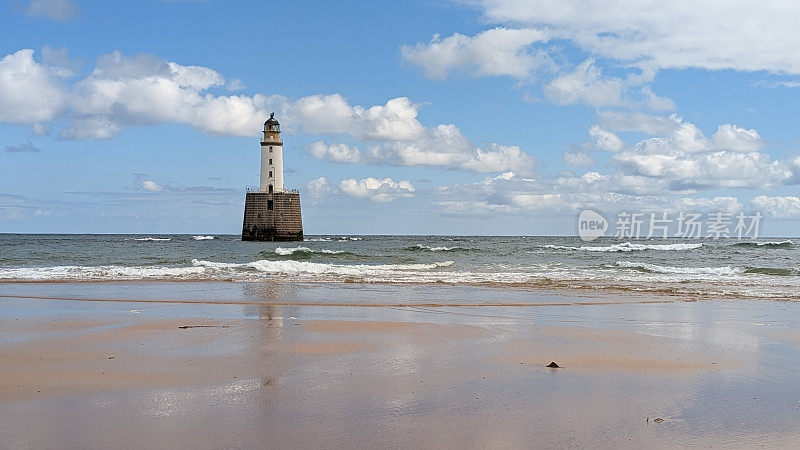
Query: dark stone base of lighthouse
272	217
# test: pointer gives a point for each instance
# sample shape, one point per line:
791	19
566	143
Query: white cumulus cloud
736	139
688	160
318	188
137	90
151	186
787	207
381	191
58	10
585	85
497	52
606	140
124	91
29	93
578	159
726	204
336	152
656	102
735	34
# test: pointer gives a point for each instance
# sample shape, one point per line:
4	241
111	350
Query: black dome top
271	120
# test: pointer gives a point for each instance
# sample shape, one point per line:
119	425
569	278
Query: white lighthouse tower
271	157
272	213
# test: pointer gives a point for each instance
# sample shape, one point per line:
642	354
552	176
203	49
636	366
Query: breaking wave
774	271
426	248
99	273
305	267
305	251
768	244
152	239
202	238
628	247
209	270
337	239
655	268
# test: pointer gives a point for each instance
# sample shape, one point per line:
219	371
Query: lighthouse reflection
269	333
269	292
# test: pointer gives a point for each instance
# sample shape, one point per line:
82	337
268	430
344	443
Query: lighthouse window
270	160
270	173
269	205
270	149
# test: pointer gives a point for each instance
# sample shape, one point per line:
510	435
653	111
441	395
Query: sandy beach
154	364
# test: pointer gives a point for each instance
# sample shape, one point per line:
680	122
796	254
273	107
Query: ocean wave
293	267
774	271
628	247
202	238
98	273
426	248
767	244
152	239
655	268
328	239
324	271
641	277
305	250
210	270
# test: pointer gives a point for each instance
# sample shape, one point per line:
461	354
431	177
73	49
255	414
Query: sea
722	268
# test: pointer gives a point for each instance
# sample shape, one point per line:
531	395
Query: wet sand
91	365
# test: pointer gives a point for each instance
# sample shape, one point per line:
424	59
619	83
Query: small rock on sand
553	365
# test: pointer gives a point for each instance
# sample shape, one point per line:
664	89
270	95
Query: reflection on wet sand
715	373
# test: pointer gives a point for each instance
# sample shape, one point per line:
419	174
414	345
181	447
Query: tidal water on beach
761	268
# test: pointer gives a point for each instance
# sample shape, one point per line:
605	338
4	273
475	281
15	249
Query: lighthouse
271	157
272	213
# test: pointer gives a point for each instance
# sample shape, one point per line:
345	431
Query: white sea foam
436	249
201	269
152	239
202	238
628	247
559	247
292	250
289	251
383	272
644	276
82	273
655	268
303	267
786	243
340	239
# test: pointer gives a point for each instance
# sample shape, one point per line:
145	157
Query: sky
476	117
